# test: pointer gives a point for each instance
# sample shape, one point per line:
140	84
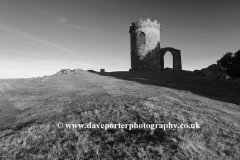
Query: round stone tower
145	45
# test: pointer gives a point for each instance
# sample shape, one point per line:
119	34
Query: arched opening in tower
142	38
168	60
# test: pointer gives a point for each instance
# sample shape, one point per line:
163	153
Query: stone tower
145	45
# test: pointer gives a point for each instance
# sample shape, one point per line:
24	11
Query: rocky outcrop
69	71
90	70
59	73
213	71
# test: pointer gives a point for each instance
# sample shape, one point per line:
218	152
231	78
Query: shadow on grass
216	89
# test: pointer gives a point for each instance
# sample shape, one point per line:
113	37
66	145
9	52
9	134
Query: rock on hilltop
69	71
213	71
61	72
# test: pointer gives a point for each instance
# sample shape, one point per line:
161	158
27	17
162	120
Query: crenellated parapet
144	23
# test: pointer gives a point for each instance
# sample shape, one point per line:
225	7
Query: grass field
31	108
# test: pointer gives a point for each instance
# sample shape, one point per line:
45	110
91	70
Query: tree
231	63
236	67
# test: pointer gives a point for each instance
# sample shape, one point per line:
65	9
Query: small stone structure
102	70
146	54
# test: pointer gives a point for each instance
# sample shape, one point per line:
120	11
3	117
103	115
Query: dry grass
36	105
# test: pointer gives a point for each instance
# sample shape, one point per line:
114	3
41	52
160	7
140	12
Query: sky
40	37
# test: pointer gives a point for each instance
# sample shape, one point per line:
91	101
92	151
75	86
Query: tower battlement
144	23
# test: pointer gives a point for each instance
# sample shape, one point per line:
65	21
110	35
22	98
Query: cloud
65	22
14	31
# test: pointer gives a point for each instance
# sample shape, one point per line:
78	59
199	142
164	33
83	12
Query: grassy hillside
31	108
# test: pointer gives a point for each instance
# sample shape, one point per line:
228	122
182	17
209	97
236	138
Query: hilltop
31	108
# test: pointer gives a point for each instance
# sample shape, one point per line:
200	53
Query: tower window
142	38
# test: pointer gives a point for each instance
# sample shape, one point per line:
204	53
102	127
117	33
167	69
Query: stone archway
177	62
